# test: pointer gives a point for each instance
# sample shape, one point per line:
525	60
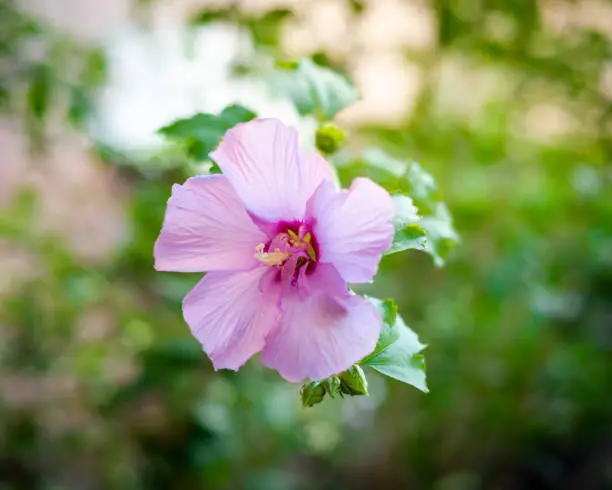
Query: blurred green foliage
201	133
519	322
315	90
57	72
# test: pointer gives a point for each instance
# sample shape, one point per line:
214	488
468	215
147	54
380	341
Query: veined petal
353	227
315	169
323	333
230	314
206	228
262	161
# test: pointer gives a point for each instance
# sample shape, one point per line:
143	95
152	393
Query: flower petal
353	227
322	334
206	228
315	169
262	161
231	315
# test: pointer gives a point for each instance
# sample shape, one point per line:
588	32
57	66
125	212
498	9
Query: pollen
270	258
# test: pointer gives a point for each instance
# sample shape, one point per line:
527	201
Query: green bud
329	139
353	381
312	393
332	386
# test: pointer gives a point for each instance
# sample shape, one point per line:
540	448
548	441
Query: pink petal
353	227
206	228
322	334
262	161
315	169
231	315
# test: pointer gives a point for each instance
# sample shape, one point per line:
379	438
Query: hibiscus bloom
279	242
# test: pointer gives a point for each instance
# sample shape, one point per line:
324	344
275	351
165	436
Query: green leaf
441	236
39	91
214	169
267	29
95	69
80	106
409	177
420	184
432	230
234	114
202	133
316	90
389	332
406	212
397	353
408	234
39	99
413	236
398	364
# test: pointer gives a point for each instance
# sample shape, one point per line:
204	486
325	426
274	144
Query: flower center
292	251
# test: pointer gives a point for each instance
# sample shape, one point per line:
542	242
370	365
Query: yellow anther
311	252
270	258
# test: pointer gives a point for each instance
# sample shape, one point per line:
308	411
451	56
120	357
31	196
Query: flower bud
329	139
312	393
332	386
353	381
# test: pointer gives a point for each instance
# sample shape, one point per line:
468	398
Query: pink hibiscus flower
280	242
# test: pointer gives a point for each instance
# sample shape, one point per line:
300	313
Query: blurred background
508	103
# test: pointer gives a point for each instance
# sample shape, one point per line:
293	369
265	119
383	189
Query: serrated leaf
234	114
408	234
200	134
421	184
434	232
316	90
410	178
406	212
396	354
389	333
398	364
441	236
412	236
377	158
